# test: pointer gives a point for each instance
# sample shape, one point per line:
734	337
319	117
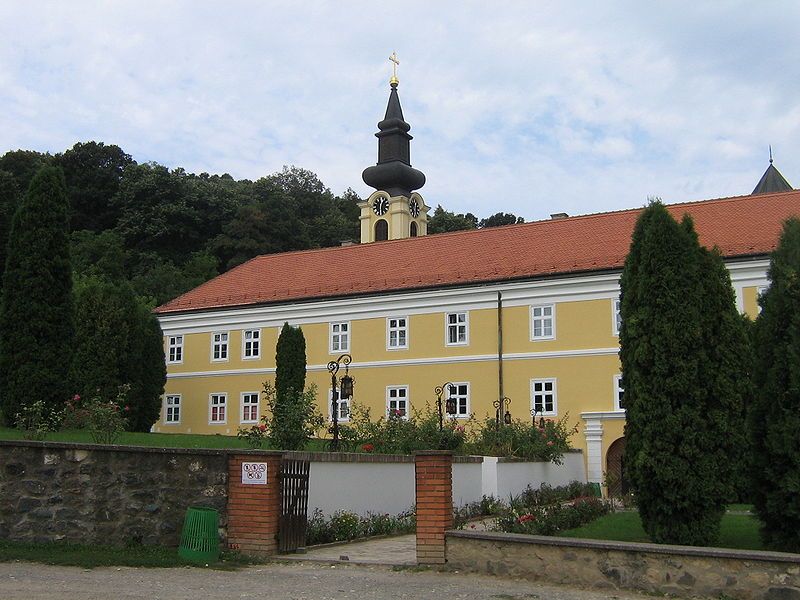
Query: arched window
413	229
381	230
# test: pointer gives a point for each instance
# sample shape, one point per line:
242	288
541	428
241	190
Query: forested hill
166	231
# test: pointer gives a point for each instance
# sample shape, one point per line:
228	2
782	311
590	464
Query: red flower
127	408
262	427
368	447
76	397
526	518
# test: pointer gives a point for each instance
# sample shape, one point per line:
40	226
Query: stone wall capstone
682	571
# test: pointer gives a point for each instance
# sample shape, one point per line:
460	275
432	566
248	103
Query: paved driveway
274	581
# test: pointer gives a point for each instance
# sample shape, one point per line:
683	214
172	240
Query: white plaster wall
380	487
467	483
361	487
514	477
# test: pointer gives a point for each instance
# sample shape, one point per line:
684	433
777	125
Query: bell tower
394	210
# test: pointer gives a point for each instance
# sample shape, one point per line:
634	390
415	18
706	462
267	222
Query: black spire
772	180
394	173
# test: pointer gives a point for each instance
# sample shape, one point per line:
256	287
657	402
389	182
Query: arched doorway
413	229
615	469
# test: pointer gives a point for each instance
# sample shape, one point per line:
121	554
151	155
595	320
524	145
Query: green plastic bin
200	535
597	492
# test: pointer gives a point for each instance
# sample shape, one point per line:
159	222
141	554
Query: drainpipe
500	393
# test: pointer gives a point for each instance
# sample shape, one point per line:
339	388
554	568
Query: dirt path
297	581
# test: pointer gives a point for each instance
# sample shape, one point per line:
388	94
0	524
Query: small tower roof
772	180
393	173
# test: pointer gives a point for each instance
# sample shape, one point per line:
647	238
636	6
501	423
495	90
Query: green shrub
105	419
299	421
546	440
397	434
552	518
36	420
345	525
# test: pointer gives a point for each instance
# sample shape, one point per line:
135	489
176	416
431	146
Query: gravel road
296	581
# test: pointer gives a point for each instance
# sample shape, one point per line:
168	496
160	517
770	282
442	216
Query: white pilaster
594	449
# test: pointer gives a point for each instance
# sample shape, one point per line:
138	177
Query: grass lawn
737	531
89	556
156	440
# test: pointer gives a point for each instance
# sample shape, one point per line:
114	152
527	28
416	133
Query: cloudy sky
526	107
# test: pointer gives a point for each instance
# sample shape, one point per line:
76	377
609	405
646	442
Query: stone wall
656	569
87	493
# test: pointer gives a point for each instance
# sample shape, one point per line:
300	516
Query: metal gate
294	505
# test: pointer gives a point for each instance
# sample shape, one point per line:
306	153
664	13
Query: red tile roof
741	226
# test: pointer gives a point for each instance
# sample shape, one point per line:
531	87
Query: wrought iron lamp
539	410
342	389
450	403
501	408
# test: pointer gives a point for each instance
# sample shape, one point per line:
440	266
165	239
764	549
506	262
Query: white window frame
223	344
175	349
617	390
254	342
462	399
243	405
396	329
343	335
543	318
211	397
171	408
339	402
616	315
400	395
456	326
554	391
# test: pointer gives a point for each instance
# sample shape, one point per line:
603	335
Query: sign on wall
254	473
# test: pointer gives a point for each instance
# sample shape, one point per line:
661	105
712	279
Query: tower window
413	229
381	230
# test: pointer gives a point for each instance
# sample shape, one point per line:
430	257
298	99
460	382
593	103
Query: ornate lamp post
541	416
501	407
450	404
345	392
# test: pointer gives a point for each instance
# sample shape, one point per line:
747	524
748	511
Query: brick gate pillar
434	497
254	505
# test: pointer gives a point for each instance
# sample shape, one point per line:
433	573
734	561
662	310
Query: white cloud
524	107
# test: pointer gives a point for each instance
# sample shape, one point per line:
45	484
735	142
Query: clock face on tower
413	207
380	205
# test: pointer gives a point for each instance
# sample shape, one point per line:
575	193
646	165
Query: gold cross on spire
394	80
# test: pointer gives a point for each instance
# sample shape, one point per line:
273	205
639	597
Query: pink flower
127	408
550	443
262	427
76	398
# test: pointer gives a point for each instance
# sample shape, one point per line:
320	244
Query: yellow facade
581	355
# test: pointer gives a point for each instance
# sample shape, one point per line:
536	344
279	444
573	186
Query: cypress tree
9	197
289	410
118	341
775	414
677	426
290	361
148	373
36	316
